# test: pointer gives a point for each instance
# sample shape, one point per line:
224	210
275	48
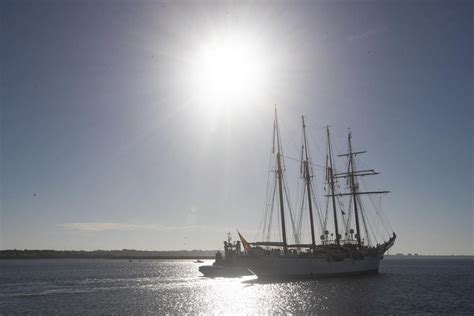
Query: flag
246	245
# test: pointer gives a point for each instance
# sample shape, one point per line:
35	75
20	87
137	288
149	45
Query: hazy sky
106	141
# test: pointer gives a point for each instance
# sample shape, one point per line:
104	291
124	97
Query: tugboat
232	264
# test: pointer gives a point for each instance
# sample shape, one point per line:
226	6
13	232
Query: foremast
351	175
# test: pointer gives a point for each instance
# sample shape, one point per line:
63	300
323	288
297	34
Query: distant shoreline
109	258
429	256
151	255
106	254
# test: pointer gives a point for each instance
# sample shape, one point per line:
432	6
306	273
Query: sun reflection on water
244	295
176	286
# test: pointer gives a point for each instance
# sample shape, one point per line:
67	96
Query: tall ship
349	240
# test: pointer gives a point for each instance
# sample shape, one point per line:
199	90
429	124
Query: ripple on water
119	286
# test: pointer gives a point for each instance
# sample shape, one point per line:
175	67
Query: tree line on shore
106	254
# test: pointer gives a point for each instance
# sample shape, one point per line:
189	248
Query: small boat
198	261
224	271
233	264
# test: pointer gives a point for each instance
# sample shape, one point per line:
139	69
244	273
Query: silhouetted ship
341	249
232	264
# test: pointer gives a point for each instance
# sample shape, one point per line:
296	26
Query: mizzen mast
276	132
307	176
330	170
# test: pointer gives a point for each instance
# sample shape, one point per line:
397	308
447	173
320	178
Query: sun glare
228	72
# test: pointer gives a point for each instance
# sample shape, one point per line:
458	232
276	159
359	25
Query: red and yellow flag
246	245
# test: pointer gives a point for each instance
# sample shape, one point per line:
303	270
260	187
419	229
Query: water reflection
251	295
158	287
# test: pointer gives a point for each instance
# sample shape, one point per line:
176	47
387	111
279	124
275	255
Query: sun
228	72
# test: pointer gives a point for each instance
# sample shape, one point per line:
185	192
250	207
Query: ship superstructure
231	264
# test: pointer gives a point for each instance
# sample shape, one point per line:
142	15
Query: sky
117	133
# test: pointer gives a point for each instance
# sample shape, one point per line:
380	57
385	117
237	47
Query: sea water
404	285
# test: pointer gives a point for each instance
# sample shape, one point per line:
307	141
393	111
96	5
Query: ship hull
300	267
224	271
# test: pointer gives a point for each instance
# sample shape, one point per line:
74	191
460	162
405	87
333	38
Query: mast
351	175
307	177
280	181
353	188
331	181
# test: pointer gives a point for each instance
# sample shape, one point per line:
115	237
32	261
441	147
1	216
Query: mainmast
353	188
331	182
307	177
280	180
